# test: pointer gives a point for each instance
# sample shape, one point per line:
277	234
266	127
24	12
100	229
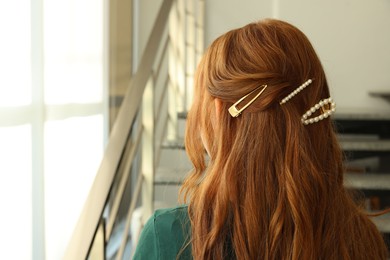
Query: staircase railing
146	118
120	137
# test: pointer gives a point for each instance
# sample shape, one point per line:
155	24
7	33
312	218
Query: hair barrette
235	112
331	108
296	91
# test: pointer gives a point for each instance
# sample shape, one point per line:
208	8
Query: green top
165	236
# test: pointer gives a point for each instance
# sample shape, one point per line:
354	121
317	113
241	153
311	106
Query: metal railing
146	118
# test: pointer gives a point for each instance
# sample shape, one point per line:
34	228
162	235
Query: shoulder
165	235
171	216
172	228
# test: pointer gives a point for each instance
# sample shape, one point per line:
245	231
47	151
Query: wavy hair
272	187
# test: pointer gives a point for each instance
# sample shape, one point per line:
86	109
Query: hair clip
296	91
235	112
325	112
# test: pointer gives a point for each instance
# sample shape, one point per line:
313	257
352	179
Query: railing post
190	51
177	64
199	24
98	248
186	34
181	54
172	70
194	44
148	160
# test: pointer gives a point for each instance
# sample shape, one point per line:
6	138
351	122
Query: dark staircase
365	140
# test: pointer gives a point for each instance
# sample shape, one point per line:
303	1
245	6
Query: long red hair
272	187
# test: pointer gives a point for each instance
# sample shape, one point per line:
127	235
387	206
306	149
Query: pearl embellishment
305	118
296	91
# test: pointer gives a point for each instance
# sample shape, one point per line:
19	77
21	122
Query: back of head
273	187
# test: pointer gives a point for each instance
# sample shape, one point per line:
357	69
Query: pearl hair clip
296	91
331	108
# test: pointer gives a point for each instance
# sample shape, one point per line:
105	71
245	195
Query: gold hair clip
234	112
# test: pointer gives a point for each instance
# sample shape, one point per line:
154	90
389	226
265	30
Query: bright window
73	40
15	62
15	192
52	120
72	148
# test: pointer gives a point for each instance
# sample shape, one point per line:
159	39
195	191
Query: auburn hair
270	187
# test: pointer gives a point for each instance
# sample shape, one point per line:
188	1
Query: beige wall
351	37
145	13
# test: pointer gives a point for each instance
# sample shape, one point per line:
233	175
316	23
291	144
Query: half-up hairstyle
272	187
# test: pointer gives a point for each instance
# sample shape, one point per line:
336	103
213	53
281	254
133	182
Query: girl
273	185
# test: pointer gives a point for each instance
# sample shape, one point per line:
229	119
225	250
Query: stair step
385	94
368	181
168	176
174	144
361	115
380	145
382	222
174	158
